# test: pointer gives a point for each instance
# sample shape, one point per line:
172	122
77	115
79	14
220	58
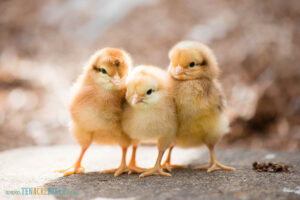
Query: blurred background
45	44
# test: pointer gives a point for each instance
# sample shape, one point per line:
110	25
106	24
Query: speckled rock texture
25	168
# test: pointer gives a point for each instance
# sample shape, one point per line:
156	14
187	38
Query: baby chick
199	99
96	105
150	112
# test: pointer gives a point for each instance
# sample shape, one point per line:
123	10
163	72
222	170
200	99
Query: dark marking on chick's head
117	63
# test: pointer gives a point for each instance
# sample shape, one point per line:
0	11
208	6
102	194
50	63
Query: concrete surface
33	167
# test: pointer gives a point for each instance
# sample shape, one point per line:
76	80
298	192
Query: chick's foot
135	169
123	167
219	166
71	170
117	171
214	164
155	170
76	168
169	166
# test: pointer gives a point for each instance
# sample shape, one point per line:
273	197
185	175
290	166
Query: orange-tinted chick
96	105
199	99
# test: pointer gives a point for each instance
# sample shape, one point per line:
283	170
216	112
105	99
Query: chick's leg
123	166
167	164
157	169
214	164
77	168
133	168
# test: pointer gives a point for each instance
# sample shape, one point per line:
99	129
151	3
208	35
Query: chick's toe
117	171
155	170
167	164
72	170
219	166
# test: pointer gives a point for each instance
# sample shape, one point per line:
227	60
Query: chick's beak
116	80
179	70
136	99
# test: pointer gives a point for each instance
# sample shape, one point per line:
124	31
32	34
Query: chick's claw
153	171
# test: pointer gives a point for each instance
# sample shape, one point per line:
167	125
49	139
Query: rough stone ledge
33	167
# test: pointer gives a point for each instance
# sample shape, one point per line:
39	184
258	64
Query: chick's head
109	68
192	60
146	86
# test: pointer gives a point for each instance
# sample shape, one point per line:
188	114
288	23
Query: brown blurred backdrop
45	44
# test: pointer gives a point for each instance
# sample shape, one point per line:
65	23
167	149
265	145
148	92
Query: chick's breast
150	125
92	115
199	119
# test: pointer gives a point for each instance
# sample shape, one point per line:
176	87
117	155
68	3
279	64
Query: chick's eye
192	64
103	71
149	91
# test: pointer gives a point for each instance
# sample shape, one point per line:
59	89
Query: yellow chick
199	100
96	105
150	112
